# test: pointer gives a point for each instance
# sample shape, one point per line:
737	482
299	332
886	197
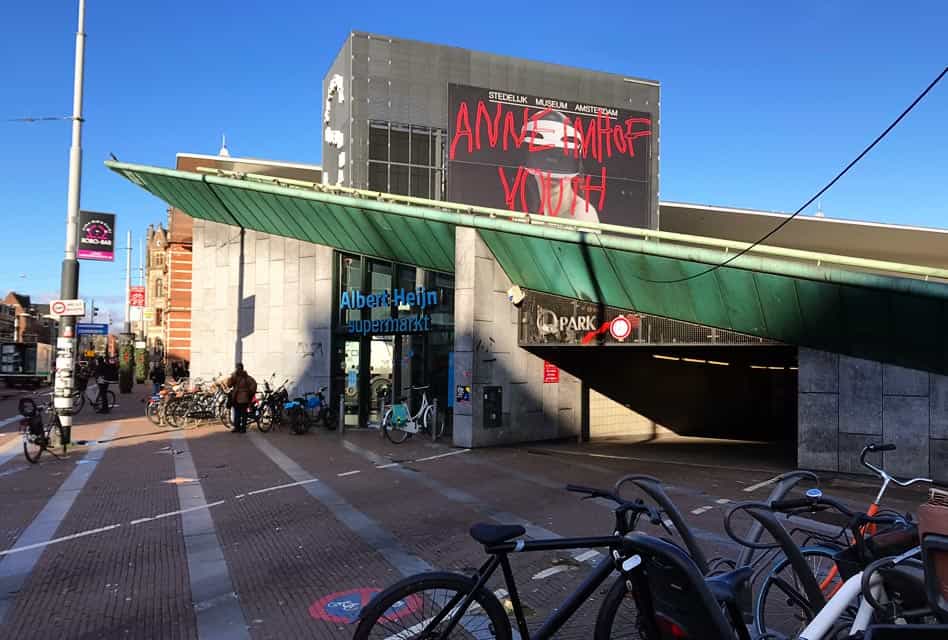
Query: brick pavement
287	547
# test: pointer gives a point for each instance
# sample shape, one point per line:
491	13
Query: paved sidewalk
204	534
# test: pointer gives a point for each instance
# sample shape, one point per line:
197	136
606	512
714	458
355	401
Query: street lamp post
69	285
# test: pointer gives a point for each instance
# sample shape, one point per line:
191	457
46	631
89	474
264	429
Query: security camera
515	295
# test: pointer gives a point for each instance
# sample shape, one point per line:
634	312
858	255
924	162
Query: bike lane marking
9	449
456	495
15	569
216	609
365	527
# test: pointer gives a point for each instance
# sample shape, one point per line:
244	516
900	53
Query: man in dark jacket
242	389
157	377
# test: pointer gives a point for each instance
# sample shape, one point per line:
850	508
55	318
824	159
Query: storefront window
379	359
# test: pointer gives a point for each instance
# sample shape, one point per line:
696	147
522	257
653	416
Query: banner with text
96	236
549	156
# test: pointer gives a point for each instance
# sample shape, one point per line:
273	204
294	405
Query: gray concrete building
431	123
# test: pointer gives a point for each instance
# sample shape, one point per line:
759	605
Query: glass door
350	366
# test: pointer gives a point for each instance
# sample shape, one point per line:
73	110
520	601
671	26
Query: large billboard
96	236
551	156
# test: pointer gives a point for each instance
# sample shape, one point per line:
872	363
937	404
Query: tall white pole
69	285
128	282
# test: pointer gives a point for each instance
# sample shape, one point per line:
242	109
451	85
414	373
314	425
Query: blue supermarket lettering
421	298
412	324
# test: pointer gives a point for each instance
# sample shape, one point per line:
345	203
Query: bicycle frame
567	608
414	423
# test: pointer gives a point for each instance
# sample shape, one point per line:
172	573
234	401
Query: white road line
586	555
723	501
388	466
589	454
348	473
760	485
442	455
178	512
700	510
552	571
81	534
282	486
7	421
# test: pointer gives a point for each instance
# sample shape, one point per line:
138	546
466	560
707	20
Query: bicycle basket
933	524
400	414
27	407
36	425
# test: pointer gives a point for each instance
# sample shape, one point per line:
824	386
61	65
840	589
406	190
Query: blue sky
761	102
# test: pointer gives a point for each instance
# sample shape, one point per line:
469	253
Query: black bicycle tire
605	618
780	565
387	429
406	587
78	401
26	453
265	418
151	412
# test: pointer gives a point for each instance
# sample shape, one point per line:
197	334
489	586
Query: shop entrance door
351	367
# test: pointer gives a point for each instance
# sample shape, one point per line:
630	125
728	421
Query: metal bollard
434	426
342	413
381	417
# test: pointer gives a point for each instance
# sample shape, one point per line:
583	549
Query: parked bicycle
774	608
398	423
308	411
36	428
438	604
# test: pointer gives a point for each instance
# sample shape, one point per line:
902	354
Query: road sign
136	296
620	328
344	607
67	307
91	329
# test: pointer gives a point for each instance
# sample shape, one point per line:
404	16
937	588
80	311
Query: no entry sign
344	607
67	307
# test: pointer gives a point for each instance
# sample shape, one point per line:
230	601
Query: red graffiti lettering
493	127
587	188
512	131
462	128
632	134
518	188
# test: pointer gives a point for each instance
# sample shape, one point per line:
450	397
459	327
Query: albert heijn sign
551	320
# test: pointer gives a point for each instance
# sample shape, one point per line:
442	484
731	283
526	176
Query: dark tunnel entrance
715	394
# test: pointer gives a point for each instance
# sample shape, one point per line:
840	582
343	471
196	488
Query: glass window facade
406	160
394	346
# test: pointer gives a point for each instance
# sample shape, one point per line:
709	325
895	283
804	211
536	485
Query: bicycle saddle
728	587
488	534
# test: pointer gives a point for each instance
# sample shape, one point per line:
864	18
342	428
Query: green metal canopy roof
871	309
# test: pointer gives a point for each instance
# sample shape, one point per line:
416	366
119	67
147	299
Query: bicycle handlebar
882	473
624	506
813	503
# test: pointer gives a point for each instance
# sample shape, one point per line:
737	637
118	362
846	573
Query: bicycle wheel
78	400
618	616
265	421
151	412
420	607
777	609
32	447
393	433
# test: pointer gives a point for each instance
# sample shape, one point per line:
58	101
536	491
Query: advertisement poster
96	236
549	155
136	296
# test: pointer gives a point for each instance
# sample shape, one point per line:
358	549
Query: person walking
157	377
104	373
242	389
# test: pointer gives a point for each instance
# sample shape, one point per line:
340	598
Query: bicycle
821	557
799	588
398	423
35	428
81	396
433	605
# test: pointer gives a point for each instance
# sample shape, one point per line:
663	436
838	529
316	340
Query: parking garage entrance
648	379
